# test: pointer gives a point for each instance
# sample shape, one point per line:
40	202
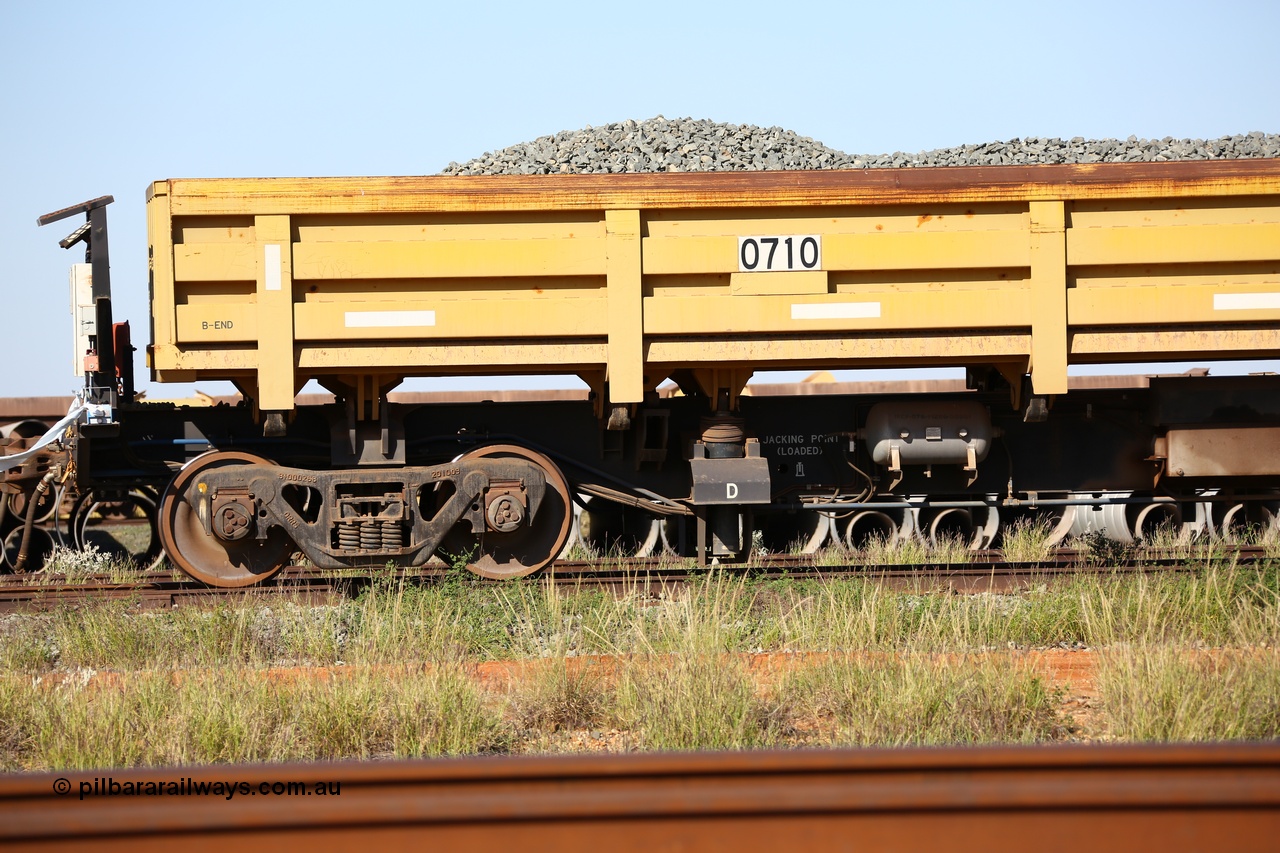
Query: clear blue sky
102	98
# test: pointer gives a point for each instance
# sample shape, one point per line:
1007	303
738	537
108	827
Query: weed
1099	550
1027	540
693	701
1165	693
925	700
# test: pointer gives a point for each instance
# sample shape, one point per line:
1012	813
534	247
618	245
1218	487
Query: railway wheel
212	560
121	525
531	546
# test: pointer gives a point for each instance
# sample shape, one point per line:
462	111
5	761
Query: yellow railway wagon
626	279
1014	273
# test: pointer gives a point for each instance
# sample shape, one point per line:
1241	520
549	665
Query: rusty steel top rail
985	571
1172	797
721	189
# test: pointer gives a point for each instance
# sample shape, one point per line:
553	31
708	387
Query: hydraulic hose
20	564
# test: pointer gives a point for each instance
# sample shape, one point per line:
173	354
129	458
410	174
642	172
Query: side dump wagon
691	281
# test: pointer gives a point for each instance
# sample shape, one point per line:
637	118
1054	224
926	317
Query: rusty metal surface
986	571
1223	451
728	189
1171	798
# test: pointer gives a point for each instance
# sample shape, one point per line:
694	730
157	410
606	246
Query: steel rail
1109	798
983	570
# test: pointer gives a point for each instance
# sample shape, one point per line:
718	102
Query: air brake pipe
20	564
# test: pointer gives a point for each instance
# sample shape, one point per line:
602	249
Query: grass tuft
1027	540
925	700
691	702
1167	693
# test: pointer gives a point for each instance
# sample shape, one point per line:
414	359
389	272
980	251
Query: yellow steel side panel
217	292
451	258
1185	304
221	323
1179	244
762	283
160	241
395	289
451	359
907	281
1161	213
1175	344
661	287
931	308
469	318
223	261
174	376
202	230
901	350
1048	364
873	251
625	371
437	227
218	360
276	373
571	273
811	219
925	250
686	255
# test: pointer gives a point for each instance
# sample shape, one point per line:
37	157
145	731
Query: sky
103	98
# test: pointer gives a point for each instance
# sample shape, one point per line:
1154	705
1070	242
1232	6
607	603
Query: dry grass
408	654
233	715
1027	540
1165	693
924	700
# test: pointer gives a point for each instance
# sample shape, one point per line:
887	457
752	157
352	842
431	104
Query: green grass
405	655
1027	540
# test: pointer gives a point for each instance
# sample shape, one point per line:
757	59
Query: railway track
983	571
1170	797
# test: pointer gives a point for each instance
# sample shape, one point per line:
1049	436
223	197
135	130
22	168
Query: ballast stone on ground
698	145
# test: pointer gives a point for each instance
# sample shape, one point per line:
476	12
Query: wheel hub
233	519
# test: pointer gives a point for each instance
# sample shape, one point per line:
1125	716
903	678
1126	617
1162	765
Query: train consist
638	282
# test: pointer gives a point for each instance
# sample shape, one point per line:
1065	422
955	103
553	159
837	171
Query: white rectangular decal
783	253
1246	301
271	265
835	310
389	319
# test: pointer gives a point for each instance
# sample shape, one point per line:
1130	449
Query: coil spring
369	537
348	536
392	535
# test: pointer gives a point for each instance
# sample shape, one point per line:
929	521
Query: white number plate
781	253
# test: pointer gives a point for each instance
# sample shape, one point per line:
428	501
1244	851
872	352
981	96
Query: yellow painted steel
625	371
1048	359
626	279
277	380
471	318
450	258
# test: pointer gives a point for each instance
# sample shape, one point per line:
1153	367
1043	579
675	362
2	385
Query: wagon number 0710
779	254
